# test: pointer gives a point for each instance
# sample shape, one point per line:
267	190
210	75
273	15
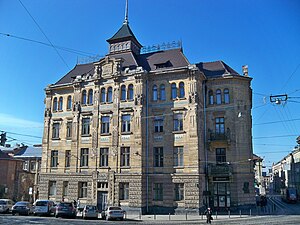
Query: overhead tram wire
24	135
44	34
79	52
290	77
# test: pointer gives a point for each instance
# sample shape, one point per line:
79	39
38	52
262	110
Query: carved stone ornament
138	99
47	112
109	67
193	97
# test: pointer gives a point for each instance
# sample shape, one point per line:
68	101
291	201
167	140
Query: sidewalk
182	217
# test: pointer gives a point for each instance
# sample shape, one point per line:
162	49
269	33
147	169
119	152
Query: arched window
90	97
109	94
60	103
130	92
210	97
154	93
181	90
69	102
84	97
123	92
226	96
55	104
102	97
218	97
173	90
162	93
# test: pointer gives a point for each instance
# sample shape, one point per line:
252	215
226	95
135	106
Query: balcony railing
216	136
222	169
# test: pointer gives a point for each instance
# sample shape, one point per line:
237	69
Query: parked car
22	208
5	205
43	207
113	212
90	211
66	209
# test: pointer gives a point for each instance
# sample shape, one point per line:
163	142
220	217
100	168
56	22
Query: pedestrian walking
208	214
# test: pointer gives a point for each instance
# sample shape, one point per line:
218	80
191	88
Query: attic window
163	65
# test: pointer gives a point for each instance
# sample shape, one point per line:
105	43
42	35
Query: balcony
219	137
222	169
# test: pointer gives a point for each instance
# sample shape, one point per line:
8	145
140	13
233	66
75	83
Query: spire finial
126	13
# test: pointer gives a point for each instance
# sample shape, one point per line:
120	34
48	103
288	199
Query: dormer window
163	65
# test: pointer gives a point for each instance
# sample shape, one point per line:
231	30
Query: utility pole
2	138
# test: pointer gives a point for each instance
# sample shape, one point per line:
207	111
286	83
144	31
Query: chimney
245	70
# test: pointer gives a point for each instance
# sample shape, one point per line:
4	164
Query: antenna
126	13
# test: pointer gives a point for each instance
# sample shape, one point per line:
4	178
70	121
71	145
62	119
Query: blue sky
262	34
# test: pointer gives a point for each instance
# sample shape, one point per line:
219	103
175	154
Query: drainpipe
147	149
205	138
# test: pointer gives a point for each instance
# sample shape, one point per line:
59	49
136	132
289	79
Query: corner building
150	132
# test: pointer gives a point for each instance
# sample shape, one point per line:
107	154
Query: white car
5	205
90	211
113	212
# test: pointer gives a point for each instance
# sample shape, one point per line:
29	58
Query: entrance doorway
101	200
221	195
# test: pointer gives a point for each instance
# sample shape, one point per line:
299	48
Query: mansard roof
216	69
174	58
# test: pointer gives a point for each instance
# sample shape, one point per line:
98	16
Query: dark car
65	209
22	208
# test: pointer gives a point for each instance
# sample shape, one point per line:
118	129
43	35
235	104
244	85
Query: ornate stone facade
149	132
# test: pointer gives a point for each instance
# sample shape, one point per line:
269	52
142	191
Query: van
5	205
43	207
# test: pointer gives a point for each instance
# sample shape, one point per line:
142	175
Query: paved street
246	220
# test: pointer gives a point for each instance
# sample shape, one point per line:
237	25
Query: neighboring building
258	171
286	172
31	157
20	166
10	171
149	131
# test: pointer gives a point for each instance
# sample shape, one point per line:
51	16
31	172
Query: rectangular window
103	157
68	158
220	125
105	124
52	188
32	166
126	123
178	122
85	126
124	191
55	130
220	155
158	192
82	187
125	156
65	188
178	156
54	158
158	157
25	165
158	124
84	157
179	192
69	129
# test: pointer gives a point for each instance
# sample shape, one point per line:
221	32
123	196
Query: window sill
125	167
178	132
104	167
105	134
126	132
85	135
178	167
56	139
